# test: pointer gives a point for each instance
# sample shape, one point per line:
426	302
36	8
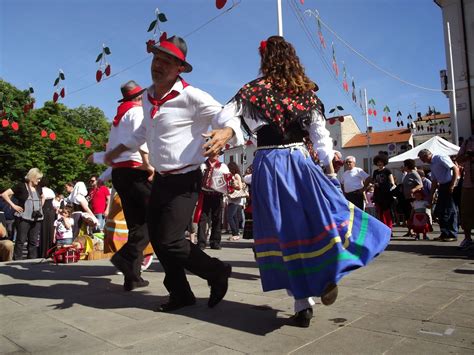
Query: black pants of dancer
211	211
27	231
356	197
172	202
134	190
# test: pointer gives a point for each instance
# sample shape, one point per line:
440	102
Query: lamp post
368	130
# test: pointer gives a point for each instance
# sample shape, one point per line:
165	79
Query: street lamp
369	165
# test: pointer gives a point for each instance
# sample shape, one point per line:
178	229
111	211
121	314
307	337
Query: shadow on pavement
433	251
88	286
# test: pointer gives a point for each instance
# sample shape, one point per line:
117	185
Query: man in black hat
176	127
130	177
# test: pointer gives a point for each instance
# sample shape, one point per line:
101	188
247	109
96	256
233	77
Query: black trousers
173	198
356	197
211	211
134	190
27	231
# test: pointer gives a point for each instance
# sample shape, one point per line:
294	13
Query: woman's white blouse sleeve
320	138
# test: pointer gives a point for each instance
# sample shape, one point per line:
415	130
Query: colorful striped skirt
306	233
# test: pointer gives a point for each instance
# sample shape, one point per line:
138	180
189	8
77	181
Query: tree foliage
62	159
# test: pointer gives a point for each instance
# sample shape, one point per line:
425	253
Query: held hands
216	141
17	208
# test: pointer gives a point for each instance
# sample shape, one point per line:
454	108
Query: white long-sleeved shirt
128	124
318	133
174	134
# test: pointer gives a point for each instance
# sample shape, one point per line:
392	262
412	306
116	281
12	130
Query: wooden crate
98	255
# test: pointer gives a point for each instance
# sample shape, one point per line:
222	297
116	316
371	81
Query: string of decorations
371	104
10	116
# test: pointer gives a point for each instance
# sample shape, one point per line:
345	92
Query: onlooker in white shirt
354	182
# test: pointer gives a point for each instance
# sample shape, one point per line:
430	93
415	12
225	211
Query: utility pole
368	129
453	92
280	18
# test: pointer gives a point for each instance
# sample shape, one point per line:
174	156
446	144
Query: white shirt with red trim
129	123
174	134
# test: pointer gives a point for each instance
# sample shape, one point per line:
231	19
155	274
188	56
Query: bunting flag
320	33
59	89
345	86
104	66
386	116
354	96
334	61
158	34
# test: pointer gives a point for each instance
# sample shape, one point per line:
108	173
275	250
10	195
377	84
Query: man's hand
149	169
451	189
217	141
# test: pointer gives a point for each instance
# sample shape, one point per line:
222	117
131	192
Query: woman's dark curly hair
381	158
281	66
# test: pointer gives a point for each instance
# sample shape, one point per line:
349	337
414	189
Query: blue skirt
306	233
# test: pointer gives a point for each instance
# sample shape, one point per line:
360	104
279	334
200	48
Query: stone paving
416	298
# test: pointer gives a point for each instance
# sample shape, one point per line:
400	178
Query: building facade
460	15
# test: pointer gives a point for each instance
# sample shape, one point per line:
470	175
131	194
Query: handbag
243	192
217	178
65	255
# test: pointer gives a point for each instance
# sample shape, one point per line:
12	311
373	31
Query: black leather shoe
174	304
216	246
130	285
123	265
329	295
303	318
219	286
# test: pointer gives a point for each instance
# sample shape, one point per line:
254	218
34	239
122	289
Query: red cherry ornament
44	134
52	136
98	75
5	123
15	126
108	70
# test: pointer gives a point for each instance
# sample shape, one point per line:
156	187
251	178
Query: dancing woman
307	235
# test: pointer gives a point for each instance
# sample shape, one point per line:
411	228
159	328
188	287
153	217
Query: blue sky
405	37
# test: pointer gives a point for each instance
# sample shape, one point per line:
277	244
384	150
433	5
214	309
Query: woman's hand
17	208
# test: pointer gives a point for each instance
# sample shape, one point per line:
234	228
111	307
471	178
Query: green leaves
56	82
107	50
340	108
152	26
162	17
61	75
332	110
31	90
99	57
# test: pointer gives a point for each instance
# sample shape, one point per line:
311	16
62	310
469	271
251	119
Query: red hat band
134	91
172	48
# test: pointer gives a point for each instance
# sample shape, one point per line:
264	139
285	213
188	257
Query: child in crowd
369	202
420	221
63	227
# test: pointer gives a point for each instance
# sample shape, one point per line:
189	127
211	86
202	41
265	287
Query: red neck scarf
123	109
158	103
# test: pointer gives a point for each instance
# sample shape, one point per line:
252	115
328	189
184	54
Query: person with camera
465	157
28	212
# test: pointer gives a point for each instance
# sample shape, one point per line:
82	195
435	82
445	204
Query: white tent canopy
435	145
